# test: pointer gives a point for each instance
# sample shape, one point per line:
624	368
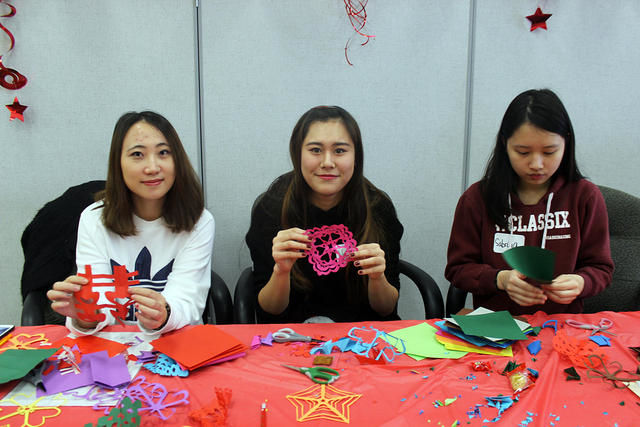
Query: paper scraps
601	340
572	374
257	341
323	402
331	248
215	413
534	347
167	367
88	297
502	403
26	411
124	415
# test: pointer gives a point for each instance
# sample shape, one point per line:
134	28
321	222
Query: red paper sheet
198	345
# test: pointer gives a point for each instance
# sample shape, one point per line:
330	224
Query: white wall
265	62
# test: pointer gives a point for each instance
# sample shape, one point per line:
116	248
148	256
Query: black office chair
49	244
623	294
456	299
244	298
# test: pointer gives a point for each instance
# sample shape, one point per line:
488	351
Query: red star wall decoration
538	19
16	109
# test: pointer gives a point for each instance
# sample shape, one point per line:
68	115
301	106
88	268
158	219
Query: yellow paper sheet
420	343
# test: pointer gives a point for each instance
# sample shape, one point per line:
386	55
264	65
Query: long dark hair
543	109
183	203
355	203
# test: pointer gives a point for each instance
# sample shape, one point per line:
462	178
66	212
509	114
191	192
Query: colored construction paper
572	374
420	343
199	345
499	324
478	341
451	342
534	262
15	364
57	382
109	372
92	344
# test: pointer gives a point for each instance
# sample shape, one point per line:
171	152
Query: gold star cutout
323	401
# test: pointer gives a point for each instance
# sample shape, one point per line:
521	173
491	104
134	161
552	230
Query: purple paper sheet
56	382
109	372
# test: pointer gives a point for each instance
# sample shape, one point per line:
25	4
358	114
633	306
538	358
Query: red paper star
16	110
538	19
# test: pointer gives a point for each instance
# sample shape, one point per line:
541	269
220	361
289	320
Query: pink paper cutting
87	297
331	248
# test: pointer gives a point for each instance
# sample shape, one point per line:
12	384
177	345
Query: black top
328	295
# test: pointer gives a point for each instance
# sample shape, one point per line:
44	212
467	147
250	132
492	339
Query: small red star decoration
16	109
538	19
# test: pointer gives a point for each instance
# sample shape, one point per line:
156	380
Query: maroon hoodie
577	231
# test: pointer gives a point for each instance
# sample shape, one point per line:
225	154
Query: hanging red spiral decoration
357	13
10	78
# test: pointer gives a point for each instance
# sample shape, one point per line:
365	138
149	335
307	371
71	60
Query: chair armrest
33	308
431	295
244	299
456	298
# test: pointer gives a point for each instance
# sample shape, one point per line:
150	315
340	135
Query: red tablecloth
397	394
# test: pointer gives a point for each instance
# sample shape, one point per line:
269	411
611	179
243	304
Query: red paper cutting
92	344
575	349
538	20
87	297
331	248
215	413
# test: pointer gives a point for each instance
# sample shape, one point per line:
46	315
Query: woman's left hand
564	288
150	307
369	258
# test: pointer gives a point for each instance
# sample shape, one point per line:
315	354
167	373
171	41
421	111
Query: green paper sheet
420	343
499	324
535	263
15	364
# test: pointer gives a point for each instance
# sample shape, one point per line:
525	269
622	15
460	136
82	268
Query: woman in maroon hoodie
532	194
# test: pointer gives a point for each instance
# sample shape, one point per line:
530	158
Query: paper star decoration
16	109
323	401
538	19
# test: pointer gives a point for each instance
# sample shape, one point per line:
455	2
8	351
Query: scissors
600	327
289	335
318	374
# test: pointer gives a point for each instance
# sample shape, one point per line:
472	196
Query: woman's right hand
63	300
523	293
288	246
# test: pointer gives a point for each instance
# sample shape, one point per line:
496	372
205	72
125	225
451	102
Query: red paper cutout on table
215	413
331	248
358	18
538	20
10	78
575	349
92	344
87	297
17	110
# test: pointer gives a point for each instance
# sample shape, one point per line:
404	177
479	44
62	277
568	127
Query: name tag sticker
503	242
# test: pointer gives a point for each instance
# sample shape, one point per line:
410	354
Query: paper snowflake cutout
331	248
26	411
167	367
323	402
